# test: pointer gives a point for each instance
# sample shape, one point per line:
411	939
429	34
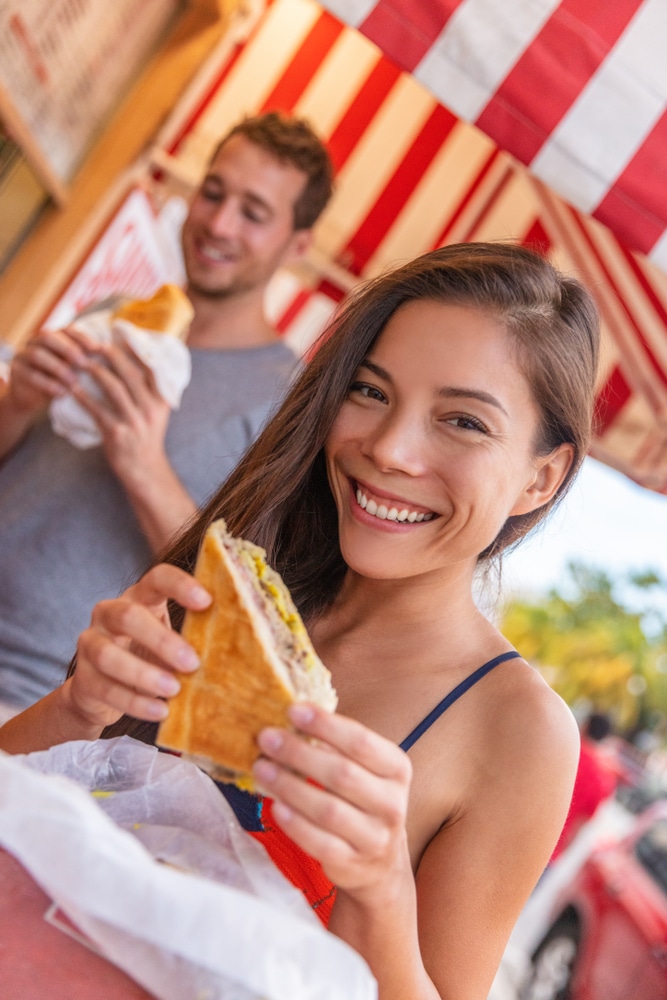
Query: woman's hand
340	792
128	659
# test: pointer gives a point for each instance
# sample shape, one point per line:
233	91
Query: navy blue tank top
453	696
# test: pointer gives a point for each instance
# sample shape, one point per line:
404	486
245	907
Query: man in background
77	526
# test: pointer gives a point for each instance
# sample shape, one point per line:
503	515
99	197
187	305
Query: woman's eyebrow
376	369
459	392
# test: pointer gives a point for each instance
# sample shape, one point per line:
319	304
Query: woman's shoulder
529	732
510	728
511	747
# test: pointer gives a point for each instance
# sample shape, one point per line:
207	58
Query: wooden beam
36	274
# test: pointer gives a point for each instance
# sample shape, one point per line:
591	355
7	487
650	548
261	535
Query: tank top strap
454	695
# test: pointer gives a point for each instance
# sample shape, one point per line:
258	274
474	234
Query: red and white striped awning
568	105
574	89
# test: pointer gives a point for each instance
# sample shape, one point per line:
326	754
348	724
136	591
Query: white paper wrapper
166	356
222	924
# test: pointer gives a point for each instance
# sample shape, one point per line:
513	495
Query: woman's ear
550	471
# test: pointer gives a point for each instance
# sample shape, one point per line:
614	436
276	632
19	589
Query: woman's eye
368	391
467	423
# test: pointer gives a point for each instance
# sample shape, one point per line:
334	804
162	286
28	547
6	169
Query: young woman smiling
445	413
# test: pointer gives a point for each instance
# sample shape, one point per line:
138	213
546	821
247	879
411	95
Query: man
78	525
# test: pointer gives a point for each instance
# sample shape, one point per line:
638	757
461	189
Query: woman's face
433	448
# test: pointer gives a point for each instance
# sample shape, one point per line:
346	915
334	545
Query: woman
445	413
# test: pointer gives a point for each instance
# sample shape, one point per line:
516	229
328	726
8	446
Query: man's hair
292	140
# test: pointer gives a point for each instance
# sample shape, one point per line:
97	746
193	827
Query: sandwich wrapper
166	355
155	870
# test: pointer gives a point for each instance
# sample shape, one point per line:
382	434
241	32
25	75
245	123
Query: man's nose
224	221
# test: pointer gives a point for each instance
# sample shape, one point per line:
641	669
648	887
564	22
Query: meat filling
274	601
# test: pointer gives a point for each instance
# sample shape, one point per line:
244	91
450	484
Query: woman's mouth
390	512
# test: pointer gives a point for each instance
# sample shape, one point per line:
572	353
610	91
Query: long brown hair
279	497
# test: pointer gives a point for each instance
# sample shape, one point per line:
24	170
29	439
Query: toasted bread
168	311
256	660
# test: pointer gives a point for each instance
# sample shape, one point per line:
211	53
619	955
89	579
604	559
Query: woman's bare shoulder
510	741
530	735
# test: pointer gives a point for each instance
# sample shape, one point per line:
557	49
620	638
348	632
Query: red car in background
608	937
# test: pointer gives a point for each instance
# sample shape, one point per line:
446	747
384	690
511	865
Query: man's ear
299	243
550	471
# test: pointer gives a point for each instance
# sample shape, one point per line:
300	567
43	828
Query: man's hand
45	368
132	416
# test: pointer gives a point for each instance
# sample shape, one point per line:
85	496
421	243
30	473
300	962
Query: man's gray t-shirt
68	534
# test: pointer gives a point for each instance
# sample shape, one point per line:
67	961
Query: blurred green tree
600	643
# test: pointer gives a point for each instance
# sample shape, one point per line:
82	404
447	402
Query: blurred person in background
596	780
78	525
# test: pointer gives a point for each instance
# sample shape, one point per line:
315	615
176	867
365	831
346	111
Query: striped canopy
459	120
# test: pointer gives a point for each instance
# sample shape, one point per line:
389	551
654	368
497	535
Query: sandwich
256	660
142	324
168	311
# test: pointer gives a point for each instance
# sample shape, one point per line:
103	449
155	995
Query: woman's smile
382	506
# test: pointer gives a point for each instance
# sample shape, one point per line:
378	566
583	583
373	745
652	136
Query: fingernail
265	772
201	596
187	658
157	710
301	715
270	739
168	686
281	812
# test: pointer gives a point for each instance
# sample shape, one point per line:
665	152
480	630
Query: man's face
240	226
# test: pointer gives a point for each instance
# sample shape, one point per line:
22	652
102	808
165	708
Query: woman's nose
398	444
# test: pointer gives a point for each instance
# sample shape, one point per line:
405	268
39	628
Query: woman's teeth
390	513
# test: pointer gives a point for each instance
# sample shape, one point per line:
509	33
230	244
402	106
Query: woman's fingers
341	792
331	817
164	582
121	681
129	622
365	789
129	656
351	738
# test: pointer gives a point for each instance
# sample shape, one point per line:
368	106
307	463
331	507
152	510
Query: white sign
134	256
